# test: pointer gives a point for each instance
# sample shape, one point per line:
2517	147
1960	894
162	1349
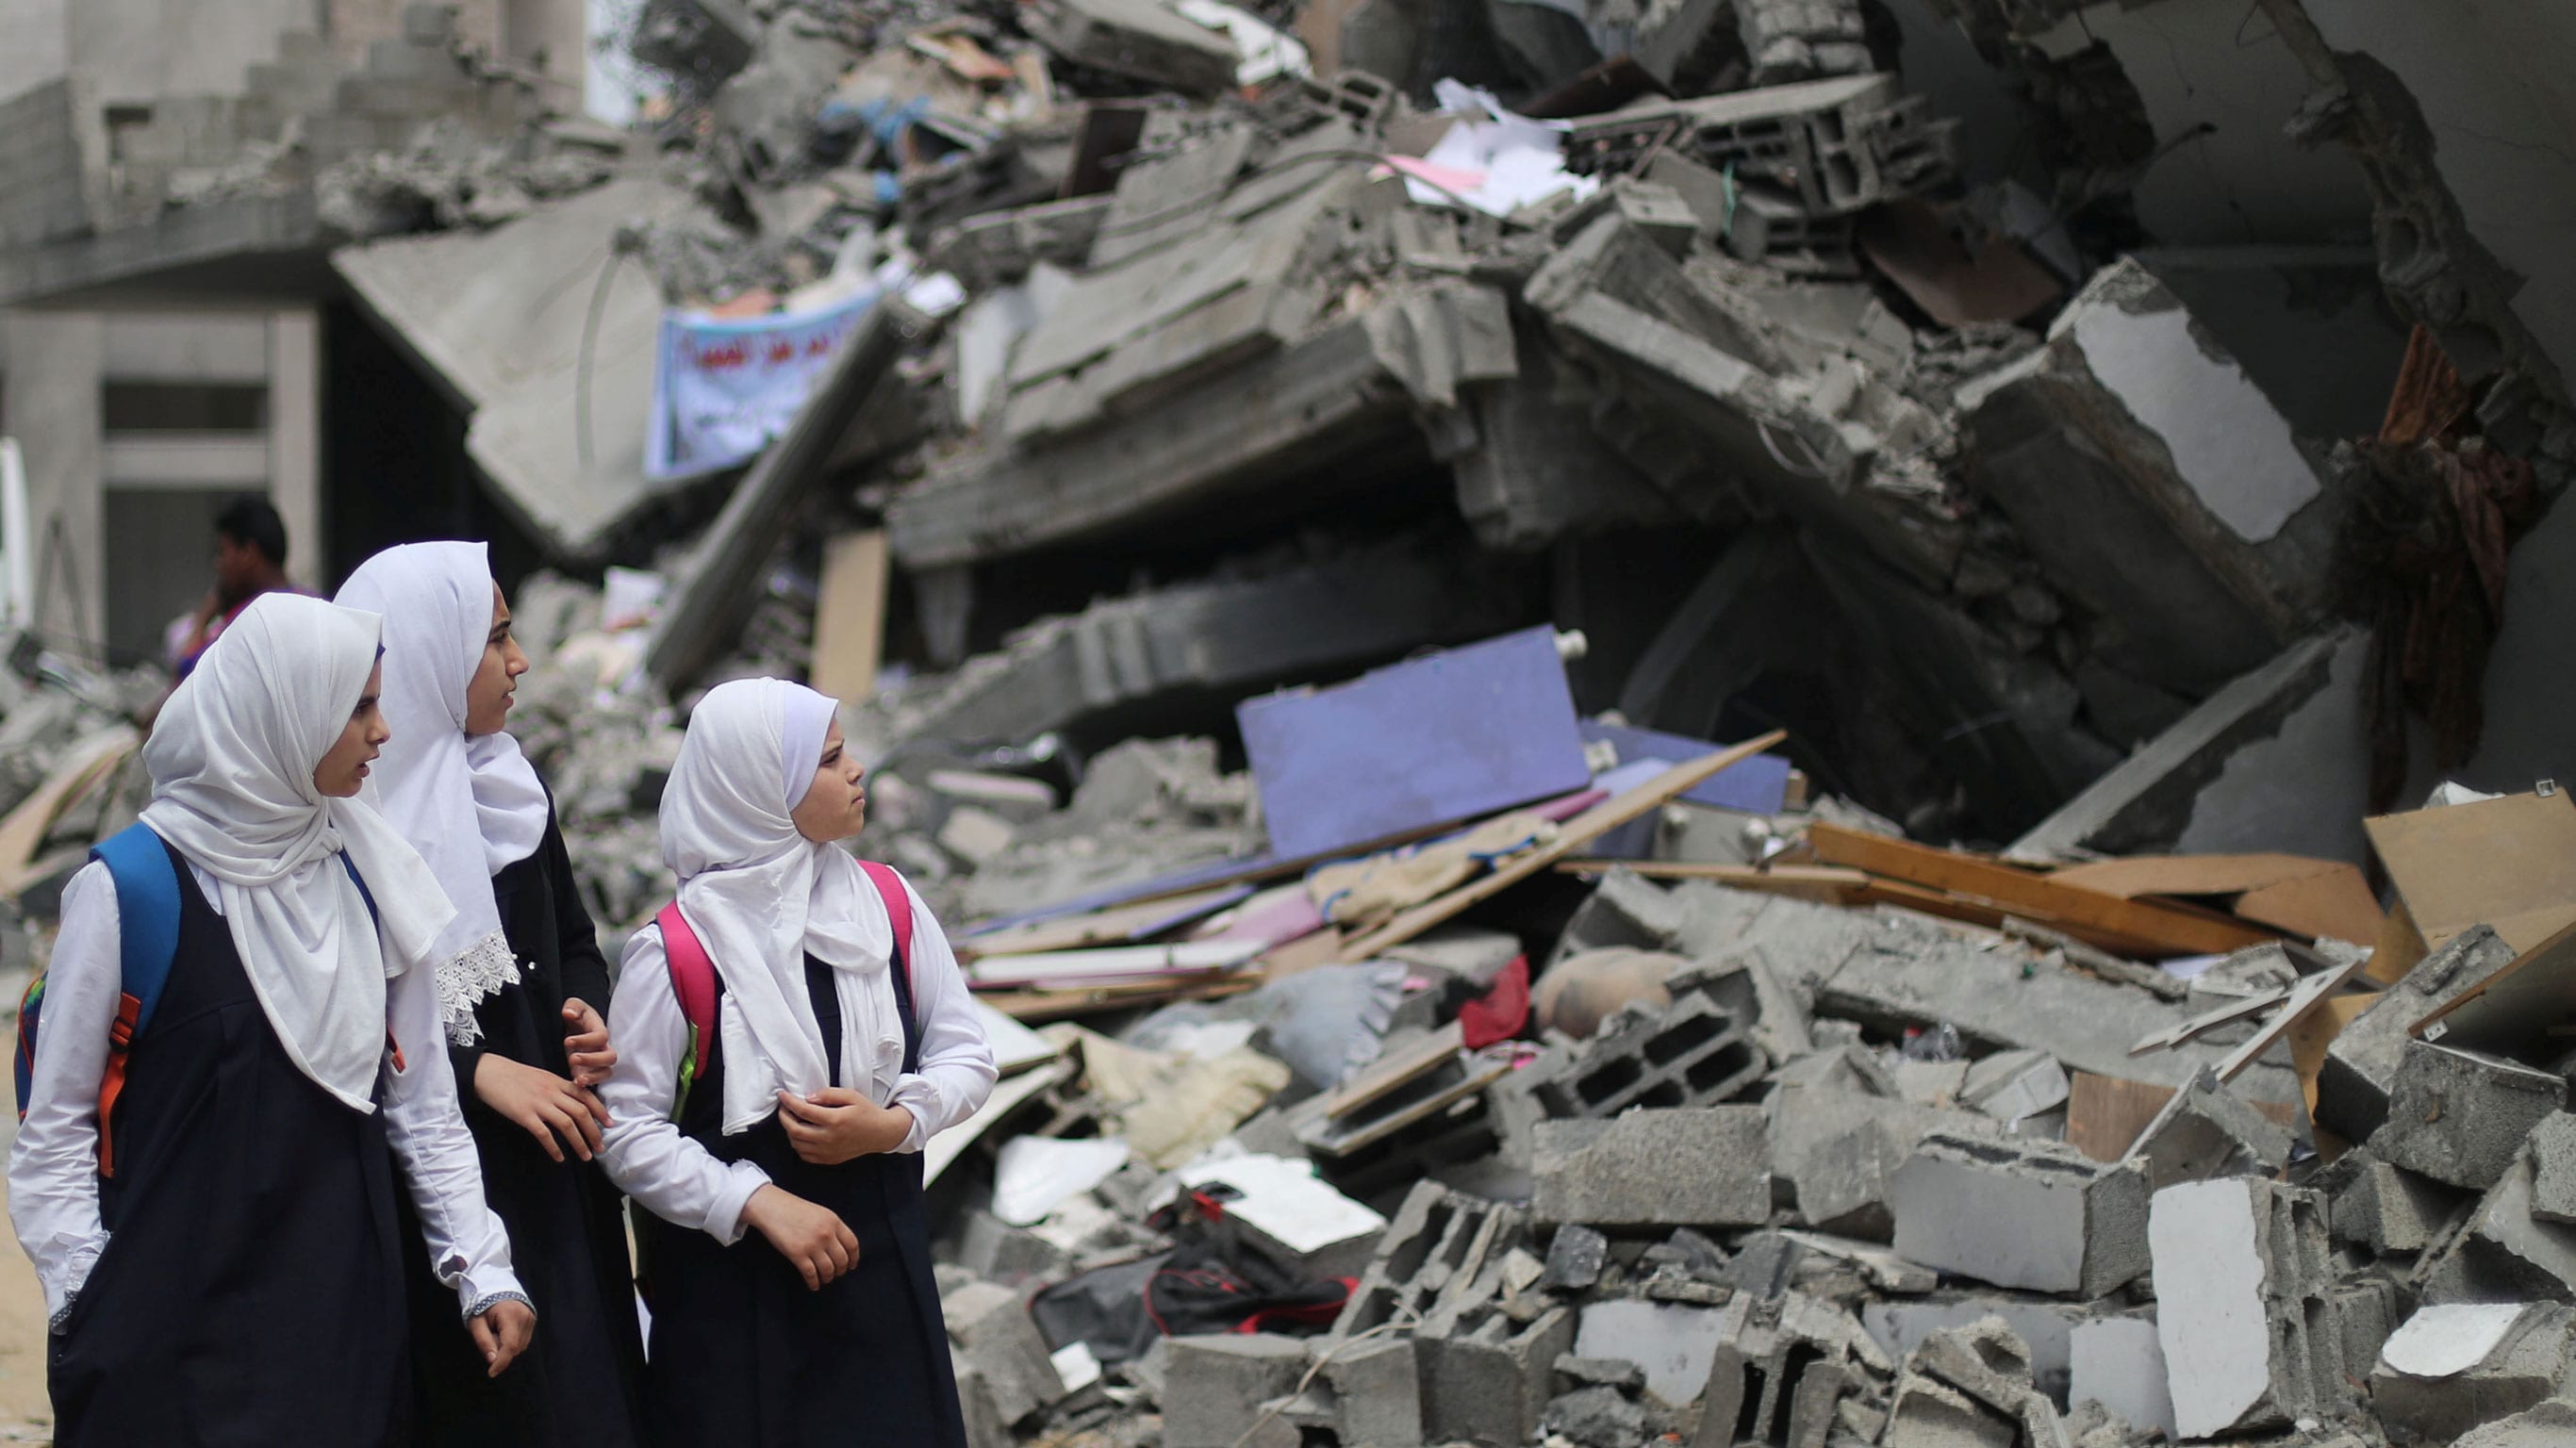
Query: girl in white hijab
240	1237
521	990
834	1061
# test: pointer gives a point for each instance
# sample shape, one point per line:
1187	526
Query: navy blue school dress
581	1380
743	1353
251	1290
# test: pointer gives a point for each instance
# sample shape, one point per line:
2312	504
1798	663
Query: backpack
693	972
147	913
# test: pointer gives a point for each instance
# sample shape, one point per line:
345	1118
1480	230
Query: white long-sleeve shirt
675	1178
53	1167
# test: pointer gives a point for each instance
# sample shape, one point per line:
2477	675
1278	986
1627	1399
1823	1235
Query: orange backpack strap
693	981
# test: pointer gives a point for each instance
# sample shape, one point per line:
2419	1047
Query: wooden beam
2161	929
849	616
1577	832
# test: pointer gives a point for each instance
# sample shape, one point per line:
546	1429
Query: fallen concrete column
1230	637
1706	1166
2021	1214
2460	1117
2249	1341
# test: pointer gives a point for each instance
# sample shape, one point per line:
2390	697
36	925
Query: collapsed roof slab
1240	435
500	320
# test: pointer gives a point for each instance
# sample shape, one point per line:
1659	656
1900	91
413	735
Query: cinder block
2120	1363
1214	1386
1777	1376
1702	1166
2372	1204
1441	1256
1486	1379
1970	1386
1377	1393
2021	1214
2460	1116
1627	909
2502	1251
2361	1064
2435	1383
1690	1054
2045	1325
2242	1273
1834	1149
992	1328
2553	1157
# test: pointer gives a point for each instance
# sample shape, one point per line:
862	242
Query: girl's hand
553	1110
817	1241
840	1125
502	1333
586	1041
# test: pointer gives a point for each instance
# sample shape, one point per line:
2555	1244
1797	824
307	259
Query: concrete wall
2493	80
38	43
49	401
144	50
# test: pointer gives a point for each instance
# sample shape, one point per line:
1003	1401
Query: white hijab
232	760
472	805
761	897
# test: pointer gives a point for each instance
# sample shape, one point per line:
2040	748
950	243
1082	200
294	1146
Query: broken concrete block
1834	1149
2553	1155
2454	1367
2361	1063
1584	1372
2012	1086
992	1328
1778	1374
1689	1054
2460	1116
2373	1204
2501	1251
2045	1325
2021	1214
1675	1345
1575	1257
1970	1385
2548	1425
1486	1378
1214	1386
2209	1131
2238	1286
1442	1255
2119	1362
1377	1394
1698	1166
984	1425
1625	909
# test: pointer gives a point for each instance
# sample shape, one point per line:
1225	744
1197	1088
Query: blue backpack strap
147	917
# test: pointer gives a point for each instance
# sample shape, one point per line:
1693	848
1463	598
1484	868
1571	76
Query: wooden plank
1111	965
2307	897
2105	1115
1582	830
1388	1073
2513	1010
2166	929
1824	884
2307	996
849	616
1105	927
1035	1007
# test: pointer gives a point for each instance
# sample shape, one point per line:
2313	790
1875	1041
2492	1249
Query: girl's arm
645	1152
53	1167
957	1070
468	1248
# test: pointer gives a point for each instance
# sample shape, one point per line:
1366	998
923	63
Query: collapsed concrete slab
2021	1214
2157	484
1219	637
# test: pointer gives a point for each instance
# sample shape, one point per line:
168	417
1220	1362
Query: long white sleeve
957	1070
644	1152
468	1247
53	1167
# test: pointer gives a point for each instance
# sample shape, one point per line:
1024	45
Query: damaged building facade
1290	495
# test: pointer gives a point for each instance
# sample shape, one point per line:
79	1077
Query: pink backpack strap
693	981
898	904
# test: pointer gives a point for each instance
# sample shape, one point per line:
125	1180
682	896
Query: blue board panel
1426	742
1759	785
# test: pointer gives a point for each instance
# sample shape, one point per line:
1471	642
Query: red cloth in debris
1502	1011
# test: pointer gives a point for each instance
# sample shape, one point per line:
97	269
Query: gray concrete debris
1376	1389
2362	1061
2501	1251
1675	1345
2455	1368
1625	909
1778	1374
1139	39
1689	1054
1971	1385
1597	1417
2021	1214
2242	1278
2210	1132
991	1327
2546	1425
2119	1362
2460	1117
2374	1205
2553	1154
1696	1166
1214	1387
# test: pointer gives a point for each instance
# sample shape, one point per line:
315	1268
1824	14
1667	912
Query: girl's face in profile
343	771
835	806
